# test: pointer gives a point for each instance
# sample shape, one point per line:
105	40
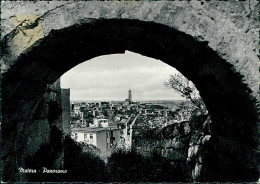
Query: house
102	138
101	134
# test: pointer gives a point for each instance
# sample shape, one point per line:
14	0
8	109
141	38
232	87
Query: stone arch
229	101
231	28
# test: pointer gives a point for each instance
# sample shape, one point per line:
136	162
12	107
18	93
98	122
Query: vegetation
186	89
82	166
129	166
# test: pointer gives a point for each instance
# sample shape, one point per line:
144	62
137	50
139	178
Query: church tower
130	96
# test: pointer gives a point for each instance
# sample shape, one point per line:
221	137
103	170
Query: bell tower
130	96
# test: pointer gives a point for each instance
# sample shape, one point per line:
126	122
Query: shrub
129	166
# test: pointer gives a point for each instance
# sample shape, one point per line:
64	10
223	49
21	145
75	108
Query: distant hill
141	101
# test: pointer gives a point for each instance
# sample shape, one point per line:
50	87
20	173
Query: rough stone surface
179	146
65	104
29	134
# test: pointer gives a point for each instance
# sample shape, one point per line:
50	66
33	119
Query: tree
188	90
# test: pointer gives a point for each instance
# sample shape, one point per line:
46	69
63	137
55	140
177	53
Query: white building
101	134
102	138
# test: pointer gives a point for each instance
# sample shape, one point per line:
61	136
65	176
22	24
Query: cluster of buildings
82	114
109	124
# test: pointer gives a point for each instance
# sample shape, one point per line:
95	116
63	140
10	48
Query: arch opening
127	91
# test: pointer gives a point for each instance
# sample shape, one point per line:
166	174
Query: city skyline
109	77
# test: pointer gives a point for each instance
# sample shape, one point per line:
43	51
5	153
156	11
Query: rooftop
92	130
102	119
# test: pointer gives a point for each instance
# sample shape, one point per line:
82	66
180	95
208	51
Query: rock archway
229	99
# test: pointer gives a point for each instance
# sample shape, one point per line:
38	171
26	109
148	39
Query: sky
110	77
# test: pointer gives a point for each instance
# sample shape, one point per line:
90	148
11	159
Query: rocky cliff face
190	145
181	143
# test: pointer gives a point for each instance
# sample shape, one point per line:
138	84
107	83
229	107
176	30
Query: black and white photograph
130	91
